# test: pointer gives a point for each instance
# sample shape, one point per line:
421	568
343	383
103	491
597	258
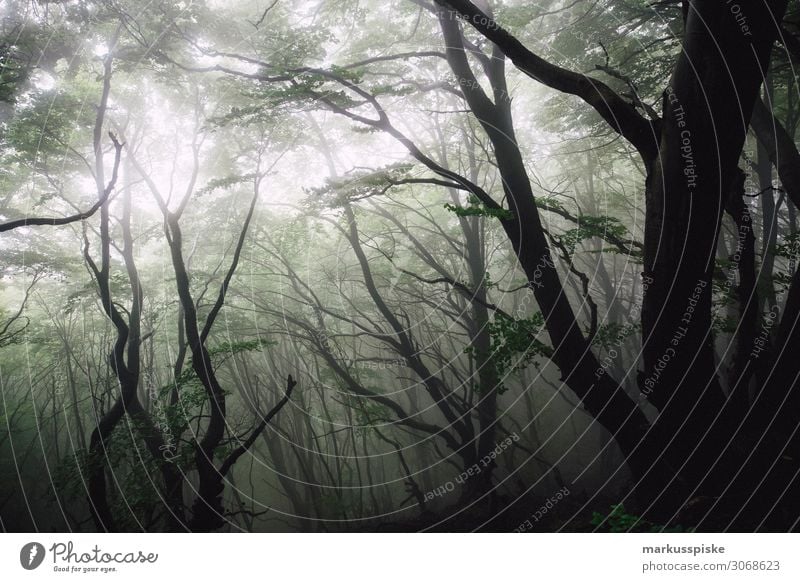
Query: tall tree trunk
604	398
707	108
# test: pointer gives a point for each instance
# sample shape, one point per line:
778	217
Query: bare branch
245	446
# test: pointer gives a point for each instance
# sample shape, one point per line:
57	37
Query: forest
399	266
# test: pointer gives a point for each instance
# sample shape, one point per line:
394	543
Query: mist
327	266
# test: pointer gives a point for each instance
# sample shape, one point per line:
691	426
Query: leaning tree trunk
604	398
707	109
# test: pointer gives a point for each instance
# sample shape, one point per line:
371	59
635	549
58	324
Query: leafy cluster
513	344
136	499
618	520
591	227
46	126
370	414
789	248
192	393
225	183
476	208
357	185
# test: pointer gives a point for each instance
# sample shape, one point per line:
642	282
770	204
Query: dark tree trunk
707	109
604	398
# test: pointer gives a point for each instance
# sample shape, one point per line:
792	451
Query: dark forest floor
569	515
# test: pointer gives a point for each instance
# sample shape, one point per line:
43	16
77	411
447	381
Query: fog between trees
397	266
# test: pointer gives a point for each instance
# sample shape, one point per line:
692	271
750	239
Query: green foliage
191	392
42	259
550	203
370	414
357	185
135	500
306	88
69	475
590	227
224	183
782	282
258	110
188	382
46	126
613	334
476	208
512	343
227	349
354	76
618	520
118	283
789	247
723	324
15	70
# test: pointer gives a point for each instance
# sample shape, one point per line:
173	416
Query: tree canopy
412	265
